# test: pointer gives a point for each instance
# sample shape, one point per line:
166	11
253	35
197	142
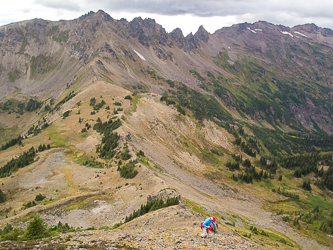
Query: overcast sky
185	14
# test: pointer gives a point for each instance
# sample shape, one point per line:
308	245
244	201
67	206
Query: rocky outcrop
311	116
178	38
147	31
190	42
201	35
164	194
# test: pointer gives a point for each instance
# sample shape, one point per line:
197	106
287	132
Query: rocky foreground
183	238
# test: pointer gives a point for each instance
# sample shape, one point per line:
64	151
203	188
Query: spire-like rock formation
201	35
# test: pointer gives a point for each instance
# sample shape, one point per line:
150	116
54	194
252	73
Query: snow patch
299	33
260	30
287	33
139	55
251	30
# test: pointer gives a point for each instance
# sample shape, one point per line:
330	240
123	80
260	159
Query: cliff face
287	70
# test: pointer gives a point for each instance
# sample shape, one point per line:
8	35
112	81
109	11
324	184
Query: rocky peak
147	31
178	38
191	42
327	32
134	27
90	13
201	35
241	27
310	28
314	29
105	16
177	34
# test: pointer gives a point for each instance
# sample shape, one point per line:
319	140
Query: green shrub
12	142
232	166
91	164
140	153
29	204
43	147
40	197
99	105
117	225
125	155
180	109
66	114
12	235
286	193
7	105
7	229
307	185
127	171
58	105
286	218
62	228
109	140
92	101
33	105
2	196
36	229
152	206
23	160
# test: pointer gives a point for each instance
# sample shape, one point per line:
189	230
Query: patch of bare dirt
89	145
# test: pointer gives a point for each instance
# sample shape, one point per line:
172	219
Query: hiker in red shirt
206	226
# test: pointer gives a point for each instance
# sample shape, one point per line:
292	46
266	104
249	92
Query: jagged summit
202	34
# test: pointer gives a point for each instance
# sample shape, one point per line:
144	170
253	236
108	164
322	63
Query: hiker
206	226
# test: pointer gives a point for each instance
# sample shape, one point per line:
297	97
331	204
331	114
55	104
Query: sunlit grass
195	207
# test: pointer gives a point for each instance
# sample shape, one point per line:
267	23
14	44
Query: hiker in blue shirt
206	226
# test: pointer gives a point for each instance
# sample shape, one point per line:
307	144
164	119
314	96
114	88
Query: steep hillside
100	115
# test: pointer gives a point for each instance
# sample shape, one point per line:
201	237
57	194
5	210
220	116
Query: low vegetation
150	206
12	142
127	171
36	229
91	163
64	100
109	140
23	160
